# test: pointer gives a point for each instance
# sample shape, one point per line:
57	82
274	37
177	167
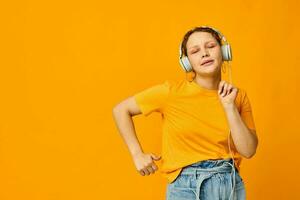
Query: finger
227	89
142	172
155	157
224	91
234	90
150	169
154	166
146	171
221	84
230	88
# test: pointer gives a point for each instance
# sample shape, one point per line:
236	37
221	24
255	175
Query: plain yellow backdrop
65	64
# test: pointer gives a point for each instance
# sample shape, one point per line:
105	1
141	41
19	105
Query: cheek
194	59
217	53
218	57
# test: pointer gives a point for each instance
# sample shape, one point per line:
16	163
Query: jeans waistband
211	167
220	165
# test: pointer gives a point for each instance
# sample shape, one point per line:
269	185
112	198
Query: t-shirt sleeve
153	99
246	112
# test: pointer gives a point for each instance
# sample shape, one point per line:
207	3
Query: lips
209	61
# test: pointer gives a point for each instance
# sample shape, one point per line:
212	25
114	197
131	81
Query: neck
211	83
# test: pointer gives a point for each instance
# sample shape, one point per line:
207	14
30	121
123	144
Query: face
201	47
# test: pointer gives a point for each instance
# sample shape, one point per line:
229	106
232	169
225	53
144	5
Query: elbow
249	155
119	108
250	152
116	109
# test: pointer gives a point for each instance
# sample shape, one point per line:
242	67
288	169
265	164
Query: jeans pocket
183	181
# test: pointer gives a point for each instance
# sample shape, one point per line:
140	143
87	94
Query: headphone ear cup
226	52
185	64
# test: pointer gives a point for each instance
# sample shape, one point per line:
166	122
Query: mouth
207	63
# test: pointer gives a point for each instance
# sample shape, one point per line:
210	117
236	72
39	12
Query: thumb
155	157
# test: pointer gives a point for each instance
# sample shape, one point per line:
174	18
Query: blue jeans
208	180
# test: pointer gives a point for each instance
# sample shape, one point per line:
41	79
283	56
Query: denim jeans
208	180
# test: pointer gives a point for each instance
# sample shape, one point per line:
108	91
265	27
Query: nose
205	53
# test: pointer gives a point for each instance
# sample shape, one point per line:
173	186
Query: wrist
230	107
136	153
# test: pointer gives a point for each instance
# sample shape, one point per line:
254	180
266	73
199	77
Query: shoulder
158	88
241	93
169	85
175	85
241	97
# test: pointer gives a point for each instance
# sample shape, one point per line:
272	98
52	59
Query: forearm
126	129
244	140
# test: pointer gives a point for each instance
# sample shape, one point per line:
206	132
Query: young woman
199	116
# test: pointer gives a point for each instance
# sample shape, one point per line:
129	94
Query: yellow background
65	64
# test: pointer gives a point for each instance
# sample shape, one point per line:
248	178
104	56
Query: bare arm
123	113
245	139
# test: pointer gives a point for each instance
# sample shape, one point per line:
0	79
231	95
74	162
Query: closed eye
210	46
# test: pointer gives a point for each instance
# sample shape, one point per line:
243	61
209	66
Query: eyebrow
205	43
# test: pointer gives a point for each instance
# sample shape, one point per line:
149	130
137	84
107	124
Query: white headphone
225	48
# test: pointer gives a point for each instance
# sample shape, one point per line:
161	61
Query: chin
207	69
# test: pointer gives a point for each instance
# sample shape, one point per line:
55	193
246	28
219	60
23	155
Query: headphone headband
222	37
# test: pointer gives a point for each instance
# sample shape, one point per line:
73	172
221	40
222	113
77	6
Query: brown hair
198	29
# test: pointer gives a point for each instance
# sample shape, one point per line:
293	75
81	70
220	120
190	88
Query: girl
198	115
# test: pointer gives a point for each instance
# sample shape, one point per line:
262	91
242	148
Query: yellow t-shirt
195	125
